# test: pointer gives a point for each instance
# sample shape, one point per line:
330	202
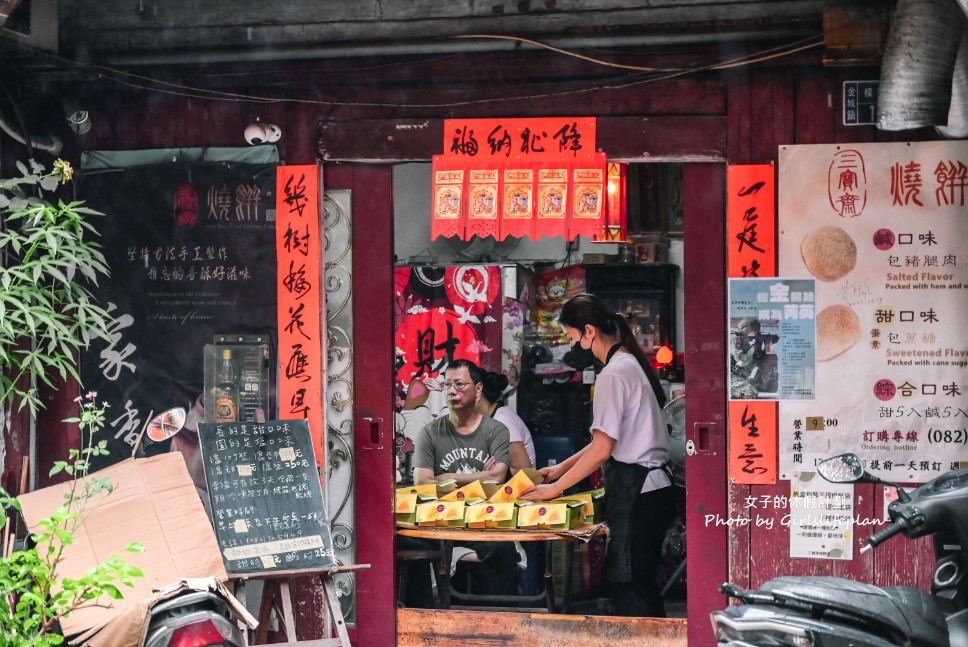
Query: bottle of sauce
226	391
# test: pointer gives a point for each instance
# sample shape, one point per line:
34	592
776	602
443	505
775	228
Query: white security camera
256	133
273	133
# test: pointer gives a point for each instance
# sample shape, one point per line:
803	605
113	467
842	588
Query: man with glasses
466	446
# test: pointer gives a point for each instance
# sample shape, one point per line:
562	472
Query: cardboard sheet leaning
154	502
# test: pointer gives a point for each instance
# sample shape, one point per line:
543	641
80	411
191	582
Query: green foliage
48	256
33	596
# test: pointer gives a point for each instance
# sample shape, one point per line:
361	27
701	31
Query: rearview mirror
846	468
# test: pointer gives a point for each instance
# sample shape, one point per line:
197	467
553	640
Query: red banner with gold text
528	177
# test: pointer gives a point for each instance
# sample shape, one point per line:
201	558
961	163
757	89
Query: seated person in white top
493	404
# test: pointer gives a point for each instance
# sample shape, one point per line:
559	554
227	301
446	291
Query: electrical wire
178	89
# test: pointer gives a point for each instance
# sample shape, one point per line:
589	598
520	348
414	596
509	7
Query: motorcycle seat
907	615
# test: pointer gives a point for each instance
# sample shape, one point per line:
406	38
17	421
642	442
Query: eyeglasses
460	386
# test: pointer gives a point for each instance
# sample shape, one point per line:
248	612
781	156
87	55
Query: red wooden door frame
372	271
705	325
704	280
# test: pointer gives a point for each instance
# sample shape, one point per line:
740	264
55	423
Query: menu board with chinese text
266	498
881	227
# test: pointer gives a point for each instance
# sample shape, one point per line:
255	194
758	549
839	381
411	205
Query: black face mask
580	358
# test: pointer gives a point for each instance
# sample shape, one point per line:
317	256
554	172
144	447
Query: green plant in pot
48	255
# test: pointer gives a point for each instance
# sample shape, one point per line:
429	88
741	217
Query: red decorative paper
588	195
483	202
552	201
528	177
448	200
489	142
517	206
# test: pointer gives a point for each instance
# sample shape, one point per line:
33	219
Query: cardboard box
550	516
445	487
557	516
405	505
154	502
427	490
441	513
473	490
592	501
520	483
501	515
475	513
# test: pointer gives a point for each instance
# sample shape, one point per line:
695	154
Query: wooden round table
449	536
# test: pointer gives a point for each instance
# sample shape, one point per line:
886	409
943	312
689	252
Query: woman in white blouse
630	440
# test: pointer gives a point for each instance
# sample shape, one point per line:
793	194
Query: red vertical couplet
750	253
751	221
299	287
752	441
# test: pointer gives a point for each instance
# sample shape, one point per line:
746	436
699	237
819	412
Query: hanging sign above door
527	177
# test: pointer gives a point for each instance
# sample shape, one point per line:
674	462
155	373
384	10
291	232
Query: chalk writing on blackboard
266	498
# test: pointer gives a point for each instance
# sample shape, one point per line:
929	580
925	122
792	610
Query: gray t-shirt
440	448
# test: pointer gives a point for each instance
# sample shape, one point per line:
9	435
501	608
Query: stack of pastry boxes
486	504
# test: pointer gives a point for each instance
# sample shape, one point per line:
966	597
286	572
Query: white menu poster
883	228
821	518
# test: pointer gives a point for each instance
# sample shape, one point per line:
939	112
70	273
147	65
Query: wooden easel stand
276	594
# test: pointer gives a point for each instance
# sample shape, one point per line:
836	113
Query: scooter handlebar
896	527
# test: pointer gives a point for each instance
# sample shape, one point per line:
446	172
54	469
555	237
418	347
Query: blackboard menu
267	502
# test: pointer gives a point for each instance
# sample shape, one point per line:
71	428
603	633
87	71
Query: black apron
623	483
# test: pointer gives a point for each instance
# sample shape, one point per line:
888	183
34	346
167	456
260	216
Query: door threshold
430	627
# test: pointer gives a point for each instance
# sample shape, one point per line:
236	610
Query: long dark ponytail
583	309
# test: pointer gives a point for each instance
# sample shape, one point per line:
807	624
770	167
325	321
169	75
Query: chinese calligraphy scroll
301	345
751	220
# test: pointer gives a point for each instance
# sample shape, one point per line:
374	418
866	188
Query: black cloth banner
191	248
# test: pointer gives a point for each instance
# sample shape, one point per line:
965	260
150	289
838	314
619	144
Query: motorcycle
838	612
194	618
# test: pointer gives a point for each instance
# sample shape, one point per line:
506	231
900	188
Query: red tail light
198	634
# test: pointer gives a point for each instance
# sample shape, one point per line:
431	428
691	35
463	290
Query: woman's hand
552	472
543	492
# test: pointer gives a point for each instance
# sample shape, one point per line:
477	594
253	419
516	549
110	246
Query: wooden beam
654	139
419	627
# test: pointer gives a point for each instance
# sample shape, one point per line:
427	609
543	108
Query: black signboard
191	250
267	501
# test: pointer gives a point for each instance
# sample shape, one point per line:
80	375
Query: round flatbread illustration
829	253
838	328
